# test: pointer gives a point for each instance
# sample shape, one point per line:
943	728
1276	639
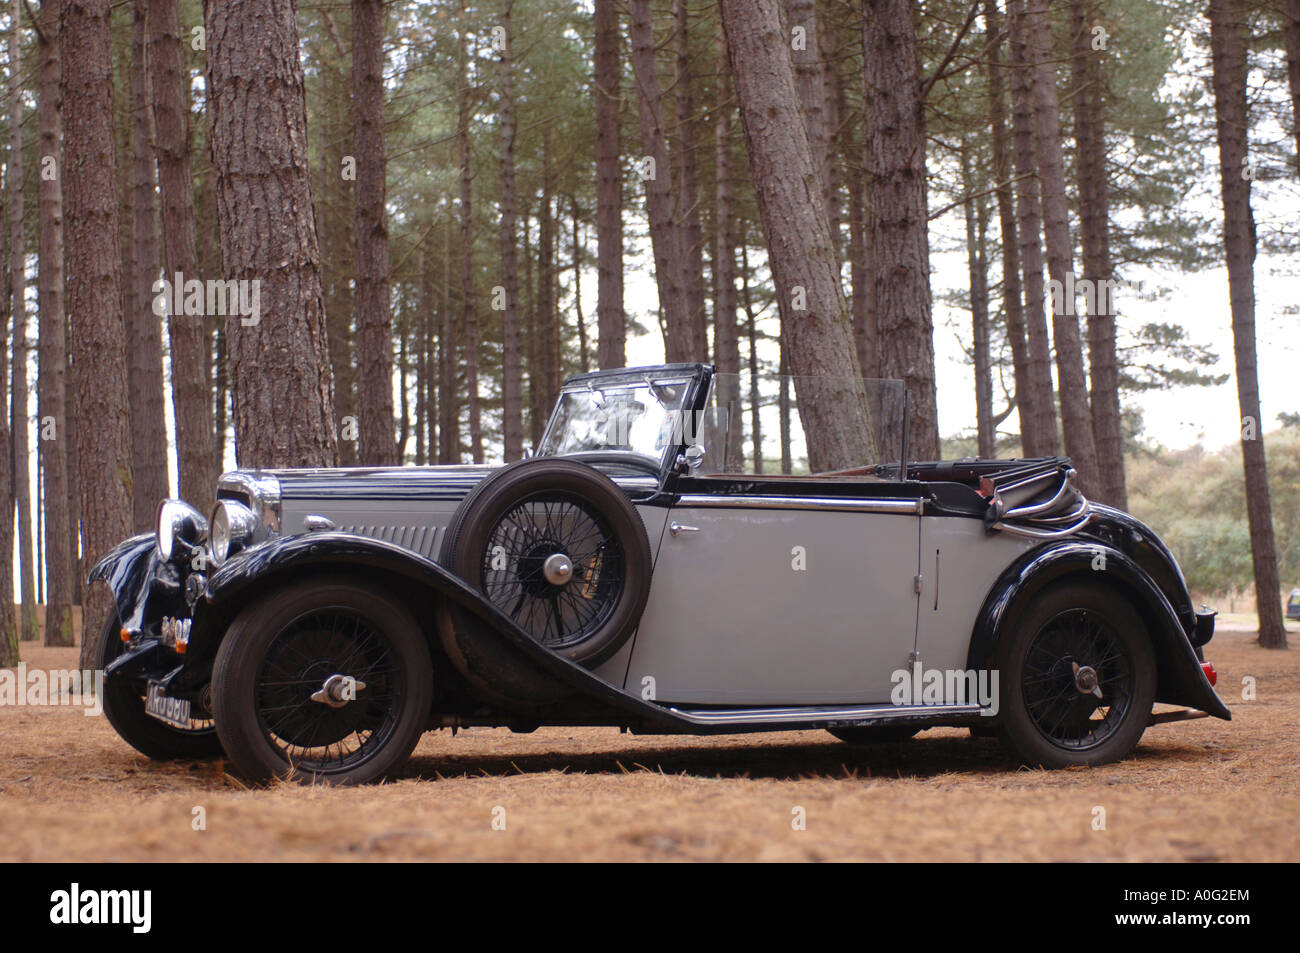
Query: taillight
1210	673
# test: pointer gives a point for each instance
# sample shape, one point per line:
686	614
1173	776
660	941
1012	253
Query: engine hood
379	483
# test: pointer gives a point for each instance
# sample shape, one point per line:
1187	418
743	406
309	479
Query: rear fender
1180	680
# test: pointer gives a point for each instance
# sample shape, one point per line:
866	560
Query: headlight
233	525
179	522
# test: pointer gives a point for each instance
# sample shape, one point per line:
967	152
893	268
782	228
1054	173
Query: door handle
676	528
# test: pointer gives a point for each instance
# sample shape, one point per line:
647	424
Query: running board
820	715
1185	714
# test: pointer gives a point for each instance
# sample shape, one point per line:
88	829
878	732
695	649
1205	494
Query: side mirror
691	459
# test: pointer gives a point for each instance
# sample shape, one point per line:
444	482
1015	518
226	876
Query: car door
779	598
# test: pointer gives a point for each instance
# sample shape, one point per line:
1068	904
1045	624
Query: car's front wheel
322	681
1078	678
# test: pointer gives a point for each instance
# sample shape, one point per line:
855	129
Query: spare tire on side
557	547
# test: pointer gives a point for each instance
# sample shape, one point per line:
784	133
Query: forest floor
1203	790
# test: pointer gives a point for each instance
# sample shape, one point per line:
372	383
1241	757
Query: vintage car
644	568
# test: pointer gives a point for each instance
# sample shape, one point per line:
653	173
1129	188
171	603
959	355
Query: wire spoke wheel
555	566
1078	677
1078	680
561	552
311	731
324	679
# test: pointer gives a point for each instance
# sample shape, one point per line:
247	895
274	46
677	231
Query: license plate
170	711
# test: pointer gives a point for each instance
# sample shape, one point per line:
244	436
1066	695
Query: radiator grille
424	540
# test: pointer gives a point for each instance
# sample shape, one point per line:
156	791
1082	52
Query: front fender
1180	680
259	569
128	569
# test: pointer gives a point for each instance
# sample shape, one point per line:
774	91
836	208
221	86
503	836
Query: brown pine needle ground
1198	791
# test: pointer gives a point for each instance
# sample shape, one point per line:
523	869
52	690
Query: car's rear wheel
875	735
124	708
1078	678
322	681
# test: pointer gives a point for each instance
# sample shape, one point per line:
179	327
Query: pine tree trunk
336	224
661	203
102	412
268	235
580	321
977	269
816	331
195	443
469	313
375	445
143	323
1094	231
511	364
1229	58
18	421
545	373
861	280
688	187
1076	416
751	331
1012	301
51	384
448	403
835	139
9	648
1291	35
810	80
1042	439
726	343
899	240
611	338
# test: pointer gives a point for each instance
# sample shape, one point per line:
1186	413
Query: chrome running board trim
837	503
753	716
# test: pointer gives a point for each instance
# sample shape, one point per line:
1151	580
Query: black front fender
261	569
1180	678
128	569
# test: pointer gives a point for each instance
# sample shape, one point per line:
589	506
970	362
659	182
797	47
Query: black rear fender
1180	680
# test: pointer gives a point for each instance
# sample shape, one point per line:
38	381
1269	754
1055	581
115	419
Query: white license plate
171	711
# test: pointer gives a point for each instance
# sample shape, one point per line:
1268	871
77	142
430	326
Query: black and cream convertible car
650	566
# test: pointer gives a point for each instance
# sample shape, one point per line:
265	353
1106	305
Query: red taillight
1210	673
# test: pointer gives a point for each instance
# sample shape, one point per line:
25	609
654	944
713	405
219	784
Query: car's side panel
960	562
757	605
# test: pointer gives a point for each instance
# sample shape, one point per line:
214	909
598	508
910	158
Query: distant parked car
1293	605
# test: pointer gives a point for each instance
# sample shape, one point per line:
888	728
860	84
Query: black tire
501	537
124	708
875	735
289	645
1047	717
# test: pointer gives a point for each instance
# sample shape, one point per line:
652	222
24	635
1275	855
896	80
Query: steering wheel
622	458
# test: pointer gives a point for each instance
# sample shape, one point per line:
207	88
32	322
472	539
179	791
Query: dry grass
1202	790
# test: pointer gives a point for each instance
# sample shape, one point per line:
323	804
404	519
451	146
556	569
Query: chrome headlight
233	526
178	522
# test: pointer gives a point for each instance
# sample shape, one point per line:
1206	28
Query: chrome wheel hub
1085	680
338	690
558	569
